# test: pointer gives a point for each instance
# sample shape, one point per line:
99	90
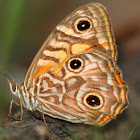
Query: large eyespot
93	100
83	24
75	64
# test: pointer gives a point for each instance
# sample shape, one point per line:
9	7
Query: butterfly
75	76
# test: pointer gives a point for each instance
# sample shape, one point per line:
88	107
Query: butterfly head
14	88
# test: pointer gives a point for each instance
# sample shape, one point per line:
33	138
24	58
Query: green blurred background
25	24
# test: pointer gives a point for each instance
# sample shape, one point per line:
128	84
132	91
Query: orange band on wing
119	80
105	120
106	44
44	69
79	48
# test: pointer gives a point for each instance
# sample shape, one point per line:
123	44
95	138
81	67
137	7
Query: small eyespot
93	100
83	24
75	64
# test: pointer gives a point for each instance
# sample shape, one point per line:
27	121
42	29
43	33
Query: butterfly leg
44	119
21	108
43	116
10	109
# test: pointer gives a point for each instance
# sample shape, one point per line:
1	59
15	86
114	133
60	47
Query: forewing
65	40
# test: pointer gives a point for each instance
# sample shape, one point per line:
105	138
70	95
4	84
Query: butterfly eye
75	64
93	100
83	24
14	88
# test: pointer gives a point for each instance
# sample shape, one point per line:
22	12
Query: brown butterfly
74	75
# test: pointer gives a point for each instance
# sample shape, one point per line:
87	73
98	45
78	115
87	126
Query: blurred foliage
9	34
9	29
133	129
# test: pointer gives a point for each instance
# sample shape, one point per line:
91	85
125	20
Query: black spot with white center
75	64
83	25
93	100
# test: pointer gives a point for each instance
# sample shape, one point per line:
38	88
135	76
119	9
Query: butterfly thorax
27	99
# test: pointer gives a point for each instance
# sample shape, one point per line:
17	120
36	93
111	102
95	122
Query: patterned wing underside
62	94
64	41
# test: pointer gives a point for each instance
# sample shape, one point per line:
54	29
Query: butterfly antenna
8	74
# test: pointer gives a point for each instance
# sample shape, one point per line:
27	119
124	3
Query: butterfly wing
87	88
87	28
